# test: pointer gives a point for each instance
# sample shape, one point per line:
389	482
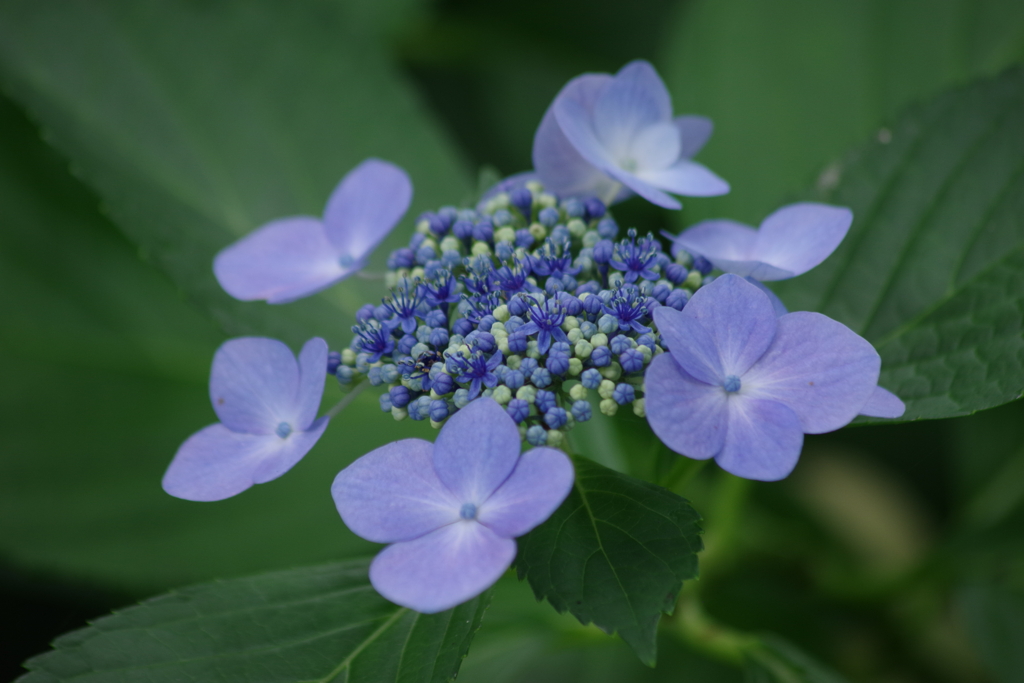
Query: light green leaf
931	272
792	84
615	553
310	625
197	122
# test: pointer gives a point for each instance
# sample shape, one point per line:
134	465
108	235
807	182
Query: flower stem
348	398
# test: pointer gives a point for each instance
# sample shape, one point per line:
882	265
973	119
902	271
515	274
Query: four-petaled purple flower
512	278
375	338
267	404
406	304
604	132
450	510
290	258
554	261
546	322
441	290
790	241
628	307
743	386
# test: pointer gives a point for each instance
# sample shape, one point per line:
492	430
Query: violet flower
743	387
290	258
267	404
608	136
450	509
790	241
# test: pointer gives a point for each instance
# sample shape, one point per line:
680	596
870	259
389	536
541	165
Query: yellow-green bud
606	389
583	349
513	361
639	409
502	394
538	231
609	407
611	371
501	314
599	339
575	366
546	199
522	431
645	351
451	243
423	227
436	425
571	323
391	279
399	413
555	438
576	227
693	280
578	393
502	343
505	234
417	273
527	393
574	335
531	349
481	249
348	357
534	186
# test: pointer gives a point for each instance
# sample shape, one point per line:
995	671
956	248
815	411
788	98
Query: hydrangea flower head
607	136
267	403
743	386
450	510
790	241
290	258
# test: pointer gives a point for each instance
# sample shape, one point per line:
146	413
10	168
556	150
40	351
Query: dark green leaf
310	625
994	617
615	553
931	272
792	84
197	122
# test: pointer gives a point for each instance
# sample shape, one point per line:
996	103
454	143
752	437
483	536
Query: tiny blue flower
442	384
461	398
385	403
541	377
514	379
631	360
619	343
623	394
462	229
548	217
522	199
438	410
607	228
581	410
677	299
557	364
594	208
601	356
591	378
333	361
545	401
555	418
536	435
518	409
574	208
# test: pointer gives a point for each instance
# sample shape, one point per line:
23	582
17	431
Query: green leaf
931	270
792	84
309	625
197	122
615	553
773	660
994	618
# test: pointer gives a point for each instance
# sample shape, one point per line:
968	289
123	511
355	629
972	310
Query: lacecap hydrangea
533	301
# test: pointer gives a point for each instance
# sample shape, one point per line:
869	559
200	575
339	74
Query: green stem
348	398
699	631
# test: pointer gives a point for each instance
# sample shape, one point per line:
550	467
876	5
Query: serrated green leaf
197	122
615	553
310	625
932	271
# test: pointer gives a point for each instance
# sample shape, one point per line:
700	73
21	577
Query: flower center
732	384
283	430
346	261
468	511
628	165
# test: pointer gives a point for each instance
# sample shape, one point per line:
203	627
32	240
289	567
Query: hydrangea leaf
270	105
314	625
930	272
615	553
994	621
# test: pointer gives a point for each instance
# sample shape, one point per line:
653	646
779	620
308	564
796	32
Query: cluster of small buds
535	302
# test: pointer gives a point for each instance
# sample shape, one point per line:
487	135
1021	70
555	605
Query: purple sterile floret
450	510
636	260
290	258
267	403
477	369
610	136
790	241
743	387
545	322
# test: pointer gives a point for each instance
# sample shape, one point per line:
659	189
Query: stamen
283	430
732	384
468	511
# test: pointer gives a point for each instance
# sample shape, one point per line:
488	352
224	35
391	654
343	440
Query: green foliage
774	660
793	84
615	553
994	616
190	147
310	625
930	272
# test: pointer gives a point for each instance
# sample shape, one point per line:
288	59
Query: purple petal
635	99
254	383
476	450
694	133
540	482
284	260
442	569
763	440
216	463
798	237
777	305
883	403
312	373
819	368
687	178
688	415
655	147
364	207
644	189
717	240
393	494
724	329
560	167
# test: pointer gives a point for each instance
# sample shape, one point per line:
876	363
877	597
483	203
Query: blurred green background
894	553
